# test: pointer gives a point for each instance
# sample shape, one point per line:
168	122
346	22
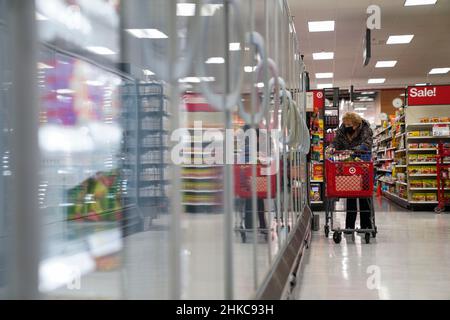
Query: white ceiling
429	49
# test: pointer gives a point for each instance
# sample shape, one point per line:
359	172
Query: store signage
315	100
428	95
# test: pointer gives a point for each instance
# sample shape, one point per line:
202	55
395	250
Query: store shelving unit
389	156
317	127
416	159
148	146
202	184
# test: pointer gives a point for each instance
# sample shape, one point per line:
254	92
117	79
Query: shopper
354	134
248	219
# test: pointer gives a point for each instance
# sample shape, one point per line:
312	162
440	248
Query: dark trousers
364	214
249	216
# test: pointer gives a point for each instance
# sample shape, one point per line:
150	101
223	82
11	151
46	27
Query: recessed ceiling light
323	55
400	39
101	50
189	79
148	72
324	75
215	60
260	85
320	26
208	79
421	84
439	71
185	9
249	69
234	46
147	33
386	64
419	2
368	92
324	85
377	80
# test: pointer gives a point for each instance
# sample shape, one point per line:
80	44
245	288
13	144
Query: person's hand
330	150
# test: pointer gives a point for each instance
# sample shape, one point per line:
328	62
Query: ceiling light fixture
323	55
147	33
324	75
321	26
409	3
185	9
368	92
215	60
439	71
386	64
400	39
324	85
189	80
421	84
376	80
100	50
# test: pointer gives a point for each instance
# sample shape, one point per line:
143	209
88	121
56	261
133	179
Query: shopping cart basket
443	177
243	190
348	175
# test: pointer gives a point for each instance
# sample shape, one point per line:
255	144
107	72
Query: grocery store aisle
410	258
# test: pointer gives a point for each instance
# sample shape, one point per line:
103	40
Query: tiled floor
145	272
409	259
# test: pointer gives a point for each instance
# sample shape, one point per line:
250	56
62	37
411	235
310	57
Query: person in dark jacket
354	134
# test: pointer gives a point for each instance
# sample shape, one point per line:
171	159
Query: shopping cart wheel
337	237
327	231
367	237
374	234
438	209
243	237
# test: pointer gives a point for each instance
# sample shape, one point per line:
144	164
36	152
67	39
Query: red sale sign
428	95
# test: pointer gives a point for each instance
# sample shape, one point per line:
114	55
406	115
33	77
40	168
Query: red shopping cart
443	176
243	191
349	174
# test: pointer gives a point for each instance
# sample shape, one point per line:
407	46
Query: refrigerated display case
102	155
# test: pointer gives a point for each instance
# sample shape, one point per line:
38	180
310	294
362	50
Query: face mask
349	130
